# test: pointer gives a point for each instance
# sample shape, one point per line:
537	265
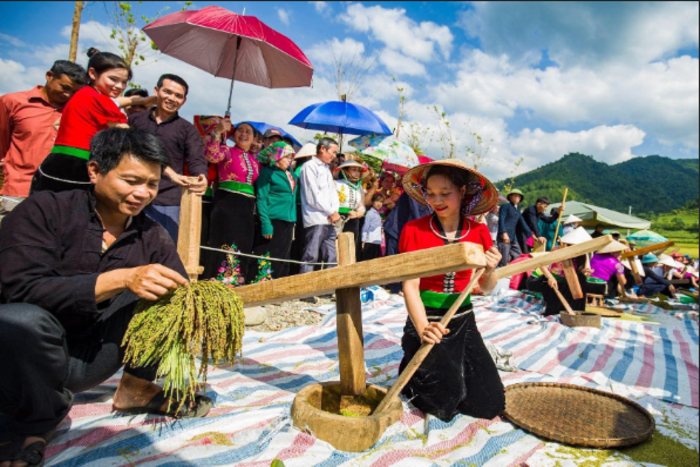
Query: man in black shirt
598	232
534	214
184	145
72	267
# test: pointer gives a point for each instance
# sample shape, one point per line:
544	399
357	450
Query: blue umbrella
262	127
340	117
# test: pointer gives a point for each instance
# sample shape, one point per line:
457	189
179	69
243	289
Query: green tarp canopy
593	215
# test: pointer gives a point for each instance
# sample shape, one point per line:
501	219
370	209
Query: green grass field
686	240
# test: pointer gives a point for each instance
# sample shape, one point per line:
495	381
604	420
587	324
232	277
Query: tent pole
233	78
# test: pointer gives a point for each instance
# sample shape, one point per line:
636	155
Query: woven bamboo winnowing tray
577	415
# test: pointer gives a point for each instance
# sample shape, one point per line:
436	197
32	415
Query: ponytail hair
105	61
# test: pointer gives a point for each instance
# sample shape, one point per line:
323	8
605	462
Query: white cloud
11	40
284	15
610	144
396	62
346	50
16	77
321	7
586	33
660	97
421	41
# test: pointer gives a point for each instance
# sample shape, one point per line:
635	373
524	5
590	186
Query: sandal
201	407
33	454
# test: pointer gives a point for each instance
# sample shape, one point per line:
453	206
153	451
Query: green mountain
648	184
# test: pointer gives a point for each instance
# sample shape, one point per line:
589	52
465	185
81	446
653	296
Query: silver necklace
469	227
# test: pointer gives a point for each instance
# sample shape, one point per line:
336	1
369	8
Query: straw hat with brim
571	219
576	236
650	258
413	181
612	247
309	149
350	163
626	264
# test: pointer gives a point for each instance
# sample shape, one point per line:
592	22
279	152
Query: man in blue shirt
509	219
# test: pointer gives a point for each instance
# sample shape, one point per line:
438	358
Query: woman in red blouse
95	107
458	376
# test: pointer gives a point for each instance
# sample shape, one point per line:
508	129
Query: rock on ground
289	314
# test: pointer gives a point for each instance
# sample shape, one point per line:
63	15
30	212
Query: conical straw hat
576	236
668	261
571	219
309	149
612	247
413	181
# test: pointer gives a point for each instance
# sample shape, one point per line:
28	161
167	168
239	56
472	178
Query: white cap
571	219
576	236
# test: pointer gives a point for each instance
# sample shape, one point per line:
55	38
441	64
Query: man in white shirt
319	206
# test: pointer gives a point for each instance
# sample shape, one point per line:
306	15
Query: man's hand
553	283
152	281
506	240
334	218
199	186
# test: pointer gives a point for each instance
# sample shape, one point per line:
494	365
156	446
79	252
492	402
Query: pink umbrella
424	159
233	46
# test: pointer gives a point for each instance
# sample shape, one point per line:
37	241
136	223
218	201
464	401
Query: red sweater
85	114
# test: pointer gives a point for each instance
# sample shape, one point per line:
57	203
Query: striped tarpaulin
655	364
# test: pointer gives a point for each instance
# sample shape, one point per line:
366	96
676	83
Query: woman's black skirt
278	246
232	223
61	172
458	375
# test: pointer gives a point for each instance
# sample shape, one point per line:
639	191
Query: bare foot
27	442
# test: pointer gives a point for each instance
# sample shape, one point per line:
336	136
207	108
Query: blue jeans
167	216
319	241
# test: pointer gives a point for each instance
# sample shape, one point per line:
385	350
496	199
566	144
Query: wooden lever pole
425	348
563	301
646	249
561	211
189	232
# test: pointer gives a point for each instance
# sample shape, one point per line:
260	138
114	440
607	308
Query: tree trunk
73	52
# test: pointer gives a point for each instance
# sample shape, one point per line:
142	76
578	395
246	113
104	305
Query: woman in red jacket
95	107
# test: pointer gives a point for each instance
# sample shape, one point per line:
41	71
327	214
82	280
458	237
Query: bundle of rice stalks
204	317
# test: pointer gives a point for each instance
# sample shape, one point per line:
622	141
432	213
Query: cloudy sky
533	80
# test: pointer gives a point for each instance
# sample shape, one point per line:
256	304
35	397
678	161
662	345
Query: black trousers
552	304
371	251
278	246
64	167
458	375
43	366
353	225
297	249
232	222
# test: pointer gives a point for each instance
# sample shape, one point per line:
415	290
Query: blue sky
534	80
